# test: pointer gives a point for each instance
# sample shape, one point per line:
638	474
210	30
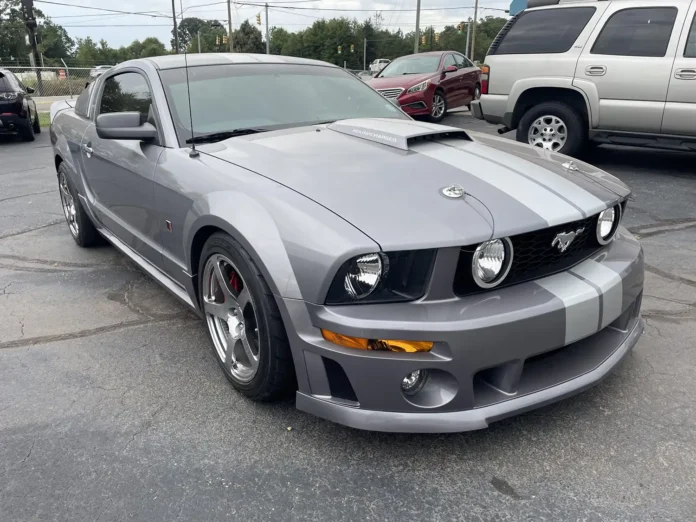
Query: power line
372	10
141	13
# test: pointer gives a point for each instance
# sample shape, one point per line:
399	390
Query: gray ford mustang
398	275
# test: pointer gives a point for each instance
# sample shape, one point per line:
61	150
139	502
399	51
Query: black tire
37	124
86	235
477	95
28	131
275	377
574	122
438	119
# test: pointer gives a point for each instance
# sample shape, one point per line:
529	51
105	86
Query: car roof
176	61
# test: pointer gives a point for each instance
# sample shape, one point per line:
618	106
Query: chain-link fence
52	82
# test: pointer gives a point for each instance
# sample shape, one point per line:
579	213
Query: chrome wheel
231	318
68	204
477	93
438	106
548	132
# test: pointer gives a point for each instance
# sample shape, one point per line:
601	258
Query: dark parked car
17	109
428	84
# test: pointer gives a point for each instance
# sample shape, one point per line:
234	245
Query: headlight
8	95
420	87
491	262
607	224
382	277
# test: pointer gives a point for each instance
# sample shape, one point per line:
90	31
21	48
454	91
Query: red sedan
429	84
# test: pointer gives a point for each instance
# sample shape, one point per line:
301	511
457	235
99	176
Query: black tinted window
82	103
125	93
690	51
637	32
8	83
545	31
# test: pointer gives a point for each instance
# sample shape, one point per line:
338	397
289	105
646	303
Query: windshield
268	96
411	65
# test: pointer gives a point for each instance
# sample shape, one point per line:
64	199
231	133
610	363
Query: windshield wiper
219	136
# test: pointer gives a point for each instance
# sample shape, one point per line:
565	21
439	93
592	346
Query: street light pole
229	25
199	42
415	45
468	34
473	33
268	40
30	22
176	32
364	54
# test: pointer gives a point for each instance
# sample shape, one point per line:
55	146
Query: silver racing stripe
542	201
581	301
609	284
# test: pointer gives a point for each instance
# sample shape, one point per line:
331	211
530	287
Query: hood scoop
400	134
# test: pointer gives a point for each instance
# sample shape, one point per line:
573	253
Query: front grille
533	256
390	93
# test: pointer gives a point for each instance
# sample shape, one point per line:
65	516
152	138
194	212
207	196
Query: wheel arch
525	97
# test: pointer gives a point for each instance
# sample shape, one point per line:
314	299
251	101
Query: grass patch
44	119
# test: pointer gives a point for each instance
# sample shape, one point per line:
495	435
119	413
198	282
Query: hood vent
400	134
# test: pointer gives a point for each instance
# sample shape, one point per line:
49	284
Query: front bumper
417	103
496	354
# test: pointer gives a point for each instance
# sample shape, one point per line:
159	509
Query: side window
82	103
467	62
690	51
12	82
545	31
459	61
641	31
126	92
449	60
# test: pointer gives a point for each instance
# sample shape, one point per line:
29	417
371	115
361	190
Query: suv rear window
690	51
545	31
8	83
641	31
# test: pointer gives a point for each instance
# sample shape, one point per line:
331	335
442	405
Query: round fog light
413	382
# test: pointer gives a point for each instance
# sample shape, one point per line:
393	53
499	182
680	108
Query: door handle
87	150
685	74
595	70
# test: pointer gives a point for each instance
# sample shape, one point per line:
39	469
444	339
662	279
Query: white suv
620	71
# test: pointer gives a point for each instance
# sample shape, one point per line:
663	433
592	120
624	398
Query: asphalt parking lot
112	406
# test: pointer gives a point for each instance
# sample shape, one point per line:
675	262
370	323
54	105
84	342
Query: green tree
188	30
486	30
279	37
247	39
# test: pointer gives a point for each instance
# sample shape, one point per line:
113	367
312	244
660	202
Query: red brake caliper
234	281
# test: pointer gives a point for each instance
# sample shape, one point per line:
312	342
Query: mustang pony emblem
564	239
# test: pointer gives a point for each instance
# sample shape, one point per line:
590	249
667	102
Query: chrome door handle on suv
87	150
595	70
685	74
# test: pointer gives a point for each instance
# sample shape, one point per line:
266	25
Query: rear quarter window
642	31
82	103
545	31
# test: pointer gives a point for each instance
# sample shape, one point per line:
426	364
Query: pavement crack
504	487
32	229
26	195
53	262
93	331
671	277
146	425
28	454
663	226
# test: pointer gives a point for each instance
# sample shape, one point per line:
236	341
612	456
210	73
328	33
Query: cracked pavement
112	406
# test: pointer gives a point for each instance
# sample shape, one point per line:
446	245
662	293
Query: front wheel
28	131
553	126
80	225
37	124
244	322
439	107
477	95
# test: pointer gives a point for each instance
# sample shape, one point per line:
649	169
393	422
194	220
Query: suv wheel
553	126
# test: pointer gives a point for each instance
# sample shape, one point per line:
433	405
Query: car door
628	59
468	76
119	173
450	81
680	109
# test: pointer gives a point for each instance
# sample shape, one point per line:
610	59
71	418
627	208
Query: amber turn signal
377	344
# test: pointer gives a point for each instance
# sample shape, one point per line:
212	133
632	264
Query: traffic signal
217	40
352	48
437	37
224	39
459	28
258	19
340	49
423	39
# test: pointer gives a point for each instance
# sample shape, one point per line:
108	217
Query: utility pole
364	54
268	40
473	33
176	31
431	37
30	22
415	45
229	24
199	42
468	34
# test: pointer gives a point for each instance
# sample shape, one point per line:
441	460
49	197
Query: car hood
386	177
405	81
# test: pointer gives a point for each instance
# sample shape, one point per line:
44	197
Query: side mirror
124	126
449	69
30	90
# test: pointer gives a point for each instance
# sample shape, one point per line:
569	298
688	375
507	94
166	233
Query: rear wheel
80	225
28	131
477	95
439	107
244	322
37	124
553	126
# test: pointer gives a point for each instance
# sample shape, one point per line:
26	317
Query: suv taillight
485	72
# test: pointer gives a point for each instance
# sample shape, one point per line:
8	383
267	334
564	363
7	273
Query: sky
123	29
